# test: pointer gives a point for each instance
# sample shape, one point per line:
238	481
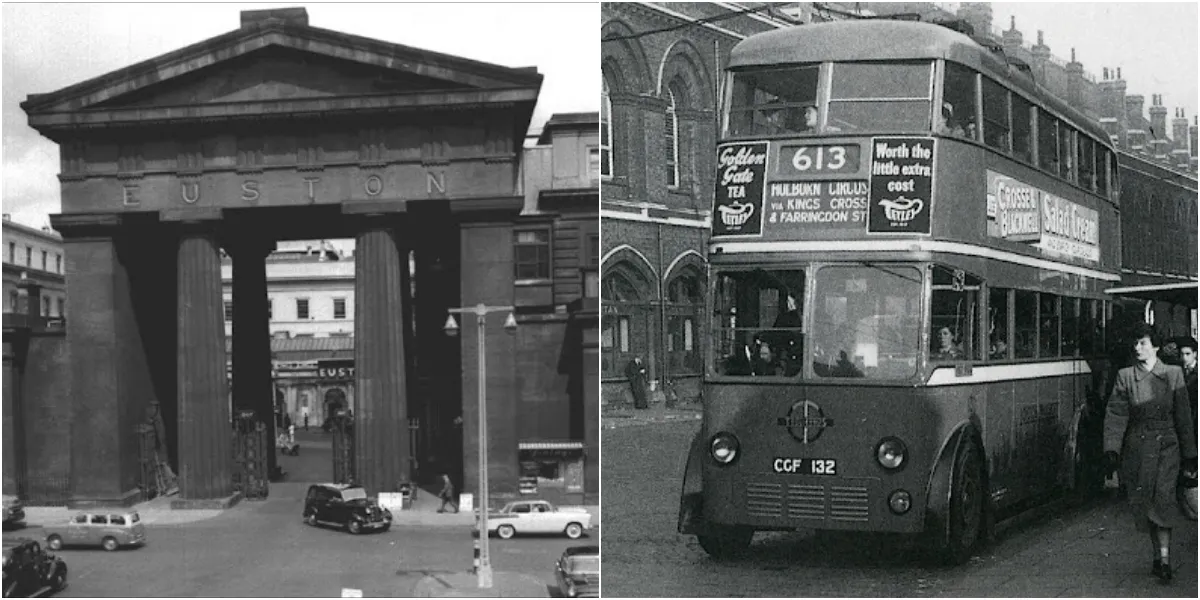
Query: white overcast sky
47	47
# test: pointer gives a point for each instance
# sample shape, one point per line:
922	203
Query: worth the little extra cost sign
901	185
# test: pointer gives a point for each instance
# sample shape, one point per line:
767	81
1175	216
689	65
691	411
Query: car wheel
353	526
311	519
505	531
110	544
54	542
574	530
59	581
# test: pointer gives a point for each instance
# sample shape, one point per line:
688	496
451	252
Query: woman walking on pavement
1147	430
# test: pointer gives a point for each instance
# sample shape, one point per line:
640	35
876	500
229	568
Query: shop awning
1183	292
569	445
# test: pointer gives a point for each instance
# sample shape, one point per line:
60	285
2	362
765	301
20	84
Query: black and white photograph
301	300
898	299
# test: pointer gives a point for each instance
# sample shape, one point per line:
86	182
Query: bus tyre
966	506
725	541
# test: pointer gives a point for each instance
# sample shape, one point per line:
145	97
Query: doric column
381	436
205	463
251	334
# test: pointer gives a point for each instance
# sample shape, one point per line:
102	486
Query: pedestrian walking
635	371
447	494
305	418
1147	431
1187	353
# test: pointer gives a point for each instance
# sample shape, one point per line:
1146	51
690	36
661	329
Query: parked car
538	516
109	530
346	506
14	511
31	571
578	572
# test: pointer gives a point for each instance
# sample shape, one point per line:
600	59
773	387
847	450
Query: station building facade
280	131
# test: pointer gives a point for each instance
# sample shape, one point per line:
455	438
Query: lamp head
510	324
451	326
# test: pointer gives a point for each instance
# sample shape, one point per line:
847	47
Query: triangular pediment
277	61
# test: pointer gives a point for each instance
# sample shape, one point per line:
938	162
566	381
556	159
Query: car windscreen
354	494
584	564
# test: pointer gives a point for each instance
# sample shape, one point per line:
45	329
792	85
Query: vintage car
345	506
578	572
14	511
538	516
31	571
109	530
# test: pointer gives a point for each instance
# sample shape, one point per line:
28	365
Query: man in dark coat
447	495
1187	353
635	371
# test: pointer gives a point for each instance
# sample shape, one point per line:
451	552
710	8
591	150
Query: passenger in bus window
766	363
947	348
998	347
1150	437
951	125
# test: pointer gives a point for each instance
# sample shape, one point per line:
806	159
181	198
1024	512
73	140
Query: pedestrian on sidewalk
1147	431
447	494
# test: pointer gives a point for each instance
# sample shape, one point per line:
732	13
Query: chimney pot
289	16
1118	72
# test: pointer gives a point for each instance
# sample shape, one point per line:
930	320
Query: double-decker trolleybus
910	246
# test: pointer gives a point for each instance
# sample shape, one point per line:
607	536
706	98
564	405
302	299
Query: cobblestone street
1058	551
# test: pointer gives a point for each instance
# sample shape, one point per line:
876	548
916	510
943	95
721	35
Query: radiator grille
843	500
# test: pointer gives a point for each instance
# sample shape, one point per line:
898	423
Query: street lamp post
481	311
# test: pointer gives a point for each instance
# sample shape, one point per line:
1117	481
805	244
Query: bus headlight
890	453
724	448
899	501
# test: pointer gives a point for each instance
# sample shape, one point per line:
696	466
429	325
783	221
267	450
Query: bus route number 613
806	466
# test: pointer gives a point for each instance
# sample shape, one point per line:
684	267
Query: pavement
624	416
466	585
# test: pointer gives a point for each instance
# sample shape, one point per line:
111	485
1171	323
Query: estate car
109	530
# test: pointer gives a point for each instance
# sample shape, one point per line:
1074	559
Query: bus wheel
966	506
725	541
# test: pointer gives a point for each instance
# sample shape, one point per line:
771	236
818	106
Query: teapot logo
902	210
736	215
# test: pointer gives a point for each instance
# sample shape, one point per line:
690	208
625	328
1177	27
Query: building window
532	254
45	259
684	303
229	310
14	300
302	308
606	132
29	256
339	308
62	307
58	263
12	252
593	163
591	283
671	141
45	306
270	309
624	294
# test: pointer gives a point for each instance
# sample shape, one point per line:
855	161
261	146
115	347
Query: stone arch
683	69
689	260
626	266
623	61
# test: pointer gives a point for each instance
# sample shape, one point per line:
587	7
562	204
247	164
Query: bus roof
889	39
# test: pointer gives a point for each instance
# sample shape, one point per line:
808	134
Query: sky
47	47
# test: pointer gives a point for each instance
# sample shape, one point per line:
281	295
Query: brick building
661	64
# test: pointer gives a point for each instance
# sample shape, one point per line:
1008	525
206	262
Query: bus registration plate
805	466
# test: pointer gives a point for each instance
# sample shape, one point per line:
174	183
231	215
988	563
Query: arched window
623	336
606	169
684	302
671	141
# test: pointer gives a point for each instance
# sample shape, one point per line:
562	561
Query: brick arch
683	68
623	62
634	265
687	261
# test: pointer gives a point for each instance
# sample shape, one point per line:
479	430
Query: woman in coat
1148	429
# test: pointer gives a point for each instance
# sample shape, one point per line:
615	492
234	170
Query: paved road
1085	551
262	549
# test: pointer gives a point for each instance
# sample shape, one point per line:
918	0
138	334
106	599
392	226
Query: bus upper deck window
1101	169
1066	153
879	97
1086	161
1022	128
995	115
957	114
1047	141
773	101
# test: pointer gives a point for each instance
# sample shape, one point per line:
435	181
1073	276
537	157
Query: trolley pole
484	567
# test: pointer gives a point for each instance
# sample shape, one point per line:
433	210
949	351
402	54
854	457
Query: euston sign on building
1019	212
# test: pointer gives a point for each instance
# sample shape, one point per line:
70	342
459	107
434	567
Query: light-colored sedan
109	530
538	516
